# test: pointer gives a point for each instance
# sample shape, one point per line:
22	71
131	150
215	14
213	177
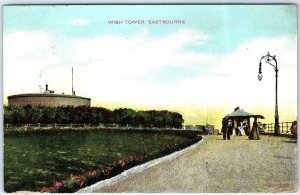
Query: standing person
254	134
224	127
294	130
242	129
245	128
229	131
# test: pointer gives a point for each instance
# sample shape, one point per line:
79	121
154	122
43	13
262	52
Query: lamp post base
277	132
277	127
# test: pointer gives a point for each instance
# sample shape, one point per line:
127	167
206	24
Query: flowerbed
75	182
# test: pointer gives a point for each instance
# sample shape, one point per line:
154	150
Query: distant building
49	99
188	127
200	128
209	128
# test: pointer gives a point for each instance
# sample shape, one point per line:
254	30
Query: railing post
285	127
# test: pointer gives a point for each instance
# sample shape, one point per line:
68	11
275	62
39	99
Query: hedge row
90	115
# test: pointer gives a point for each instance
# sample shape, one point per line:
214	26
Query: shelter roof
239	113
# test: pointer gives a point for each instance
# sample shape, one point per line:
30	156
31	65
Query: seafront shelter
241	120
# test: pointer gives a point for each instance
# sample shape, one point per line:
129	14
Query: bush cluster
90	115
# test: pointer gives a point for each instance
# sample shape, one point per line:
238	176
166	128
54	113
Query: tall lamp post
270	60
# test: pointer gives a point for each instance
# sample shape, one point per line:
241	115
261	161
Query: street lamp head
259	76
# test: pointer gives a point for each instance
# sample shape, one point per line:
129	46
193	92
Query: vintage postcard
150	98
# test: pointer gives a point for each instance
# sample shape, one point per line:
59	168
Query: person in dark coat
254	134
229	131
224	127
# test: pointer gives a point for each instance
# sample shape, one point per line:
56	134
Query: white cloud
136	55
179	39
112	69
25	55
241	68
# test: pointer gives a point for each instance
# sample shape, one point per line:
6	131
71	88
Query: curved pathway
236	165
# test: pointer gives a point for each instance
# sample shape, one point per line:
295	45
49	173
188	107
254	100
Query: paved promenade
236	165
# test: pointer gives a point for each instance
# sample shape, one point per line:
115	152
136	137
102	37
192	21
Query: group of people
228	129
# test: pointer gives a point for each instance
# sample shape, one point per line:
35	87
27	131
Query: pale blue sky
211	60
227	25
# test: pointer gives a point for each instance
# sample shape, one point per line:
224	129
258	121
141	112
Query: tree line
14	114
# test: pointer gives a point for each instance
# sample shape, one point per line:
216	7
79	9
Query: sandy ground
236	165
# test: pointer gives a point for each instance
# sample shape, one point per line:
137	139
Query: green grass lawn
32	161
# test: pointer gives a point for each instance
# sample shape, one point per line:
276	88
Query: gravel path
236	165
